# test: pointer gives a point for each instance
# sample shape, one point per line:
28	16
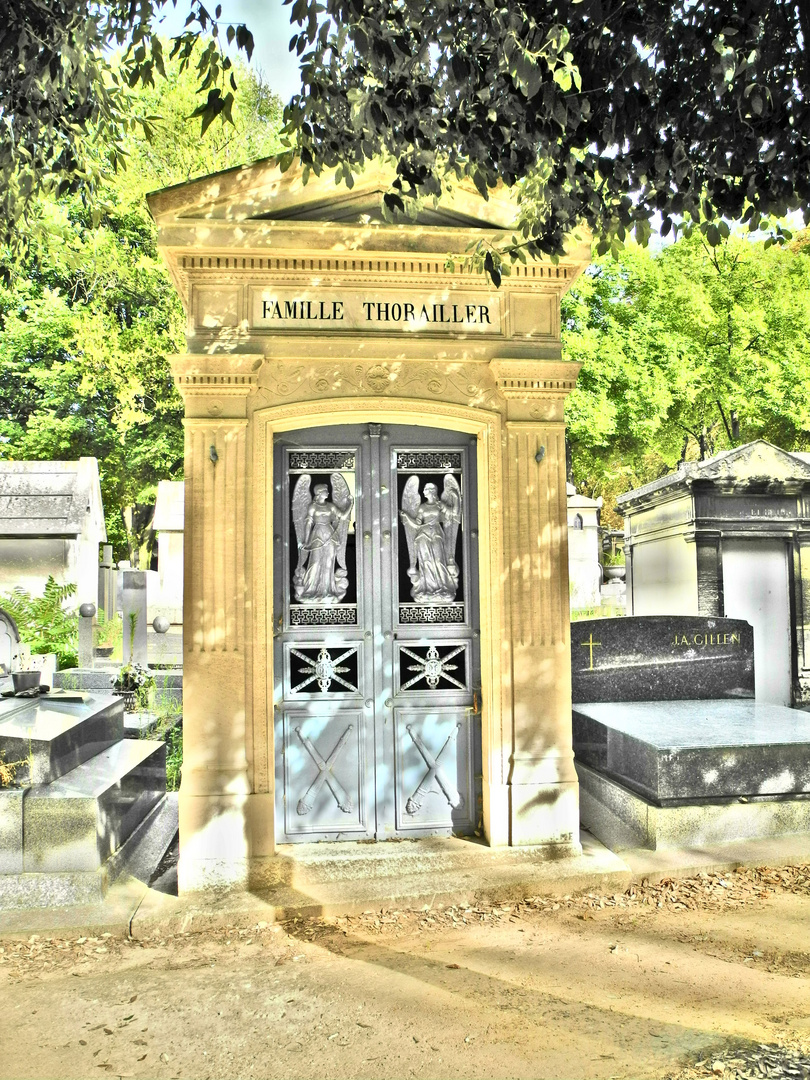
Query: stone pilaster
216	789
542	784
709	557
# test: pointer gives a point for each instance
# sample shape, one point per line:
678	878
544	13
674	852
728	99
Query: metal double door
376	639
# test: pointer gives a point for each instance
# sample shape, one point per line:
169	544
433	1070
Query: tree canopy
611	111
68	72
616	113
87	321
685	352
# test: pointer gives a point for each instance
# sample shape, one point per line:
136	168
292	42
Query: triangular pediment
262	192
756	462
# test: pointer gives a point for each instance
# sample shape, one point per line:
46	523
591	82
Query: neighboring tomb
584	567
88	803
51	522
169	523
661	658
730	536
671	749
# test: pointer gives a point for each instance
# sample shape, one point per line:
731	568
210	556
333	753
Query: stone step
77	822
133	865
142	854
57	737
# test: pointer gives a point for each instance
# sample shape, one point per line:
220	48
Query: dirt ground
705	977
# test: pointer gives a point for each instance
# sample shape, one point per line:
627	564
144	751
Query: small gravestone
133	599
661	658
9	641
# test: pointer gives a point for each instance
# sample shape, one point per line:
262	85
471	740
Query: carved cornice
534	378
222	375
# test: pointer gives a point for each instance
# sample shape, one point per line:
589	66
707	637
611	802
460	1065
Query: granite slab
79	820
681	751
661	658
56	737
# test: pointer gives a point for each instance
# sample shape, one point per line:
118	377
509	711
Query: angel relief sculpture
321	528
431	528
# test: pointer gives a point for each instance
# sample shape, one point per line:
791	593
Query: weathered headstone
661	658
133	601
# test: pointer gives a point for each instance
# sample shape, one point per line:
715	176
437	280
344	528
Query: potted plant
133	683
613	563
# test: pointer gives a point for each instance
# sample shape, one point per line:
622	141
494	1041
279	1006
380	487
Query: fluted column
542	783
217	838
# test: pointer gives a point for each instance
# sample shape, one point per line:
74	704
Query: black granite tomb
661	658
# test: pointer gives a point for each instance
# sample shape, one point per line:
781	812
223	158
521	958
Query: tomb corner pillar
542	785
216	839
709	555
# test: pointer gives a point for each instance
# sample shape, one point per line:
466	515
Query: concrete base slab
112	915
332	879
624	820
675	752
56	737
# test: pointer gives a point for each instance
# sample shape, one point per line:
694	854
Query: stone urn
614	573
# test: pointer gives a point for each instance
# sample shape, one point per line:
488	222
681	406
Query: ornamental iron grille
376	648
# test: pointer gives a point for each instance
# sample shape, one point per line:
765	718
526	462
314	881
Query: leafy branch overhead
609	112
68	69
612	112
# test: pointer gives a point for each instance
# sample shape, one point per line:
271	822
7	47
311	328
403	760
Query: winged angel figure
321	528
431	528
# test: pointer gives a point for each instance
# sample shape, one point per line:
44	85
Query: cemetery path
678	979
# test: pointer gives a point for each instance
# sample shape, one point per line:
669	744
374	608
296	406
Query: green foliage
168	726
86	323
685	352
605	611
610	113
43	622
174	757
69	71
108	632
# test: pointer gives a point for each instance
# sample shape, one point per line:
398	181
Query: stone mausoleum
376	609
51	522
730	536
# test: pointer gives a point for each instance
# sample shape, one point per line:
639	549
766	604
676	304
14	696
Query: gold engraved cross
591	644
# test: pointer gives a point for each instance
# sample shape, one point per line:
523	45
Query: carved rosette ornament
431	528
321	528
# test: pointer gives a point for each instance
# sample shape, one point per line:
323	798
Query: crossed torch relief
325	776
434	772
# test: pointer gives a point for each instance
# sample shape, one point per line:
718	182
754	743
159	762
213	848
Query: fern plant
43	622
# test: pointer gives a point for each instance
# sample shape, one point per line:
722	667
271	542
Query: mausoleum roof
756	465
51	499
260	191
